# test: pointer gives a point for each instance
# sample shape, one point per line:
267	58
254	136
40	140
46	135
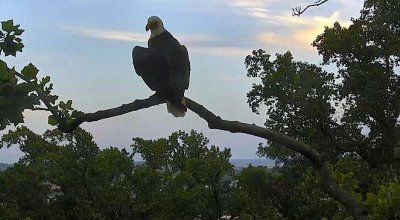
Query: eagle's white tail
176	111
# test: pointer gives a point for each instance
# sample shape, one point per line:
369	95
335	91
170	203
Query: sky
85	46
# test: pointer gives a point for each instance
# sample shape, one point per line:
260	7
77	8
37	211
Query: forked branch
112	112
328	183
298	10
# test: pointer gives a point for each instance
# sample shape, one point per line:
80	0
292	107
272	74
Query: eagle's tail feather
177	110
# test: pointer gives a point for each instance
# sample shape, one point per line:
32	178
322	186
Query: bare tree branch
40	109
109	113
328	183
298	10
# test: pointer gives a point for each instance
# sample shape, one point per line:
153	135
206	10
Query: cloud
278	28
266	11
253	8
271	38
274	27
118	35
220	51
248	3
315	26
202	44
302	32
107	34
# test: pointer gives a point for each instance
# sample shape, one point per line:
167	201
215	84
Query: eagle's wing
152	65
179	67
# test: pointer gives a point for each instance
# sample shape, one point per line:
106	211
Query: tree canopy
336	136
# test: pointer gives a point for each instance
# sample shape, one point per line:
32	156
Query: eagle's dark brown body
164	67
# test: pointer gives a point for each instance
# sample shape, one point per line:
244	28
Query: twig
40	109
298	11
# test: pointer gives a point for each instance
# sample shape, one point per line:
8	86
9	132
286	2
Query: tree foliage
24	90
68	176
302	100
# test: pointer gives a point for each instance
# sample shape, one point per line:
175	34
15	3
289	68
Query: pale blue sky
85	46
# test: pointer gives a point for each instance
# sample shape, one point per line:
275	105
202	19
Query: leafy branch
23	90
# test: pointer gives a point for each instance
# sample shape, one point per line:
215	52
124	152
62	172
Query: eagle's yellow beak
151	25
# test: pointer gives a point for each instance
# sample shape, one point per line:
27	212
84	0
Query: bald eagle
164	66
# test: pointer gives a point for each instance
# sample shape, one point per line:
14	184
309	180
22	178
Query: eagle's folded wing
180	67
152	65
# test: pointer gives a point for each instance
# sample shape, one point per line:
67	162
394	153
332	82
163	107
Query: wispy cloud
253	8
303	33
202	44
307	32
274	28
107	34
220	51
248	3
119	35
283	28
264	11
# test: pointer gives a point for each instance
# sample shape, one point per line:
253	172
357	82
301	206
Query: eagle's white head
155	25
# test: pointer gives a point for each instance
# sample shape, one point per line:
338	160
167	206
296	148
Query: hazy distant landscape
241	163
238	163
3	166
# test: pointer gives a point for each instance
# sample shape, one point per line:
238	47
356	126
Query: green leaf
7	26
370	198
19	31
66	106
26	88
76	114
52	120
6	88
69	104
30	71
52	98
396	153
45	80
3	67
2	101
6	77
62	105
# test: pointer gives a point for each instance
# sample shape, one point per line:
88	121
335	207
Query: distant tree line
67	176
336	134
3	166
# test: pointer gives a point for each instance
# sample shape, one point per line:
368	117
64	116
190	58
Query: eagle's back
164	65
165	42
